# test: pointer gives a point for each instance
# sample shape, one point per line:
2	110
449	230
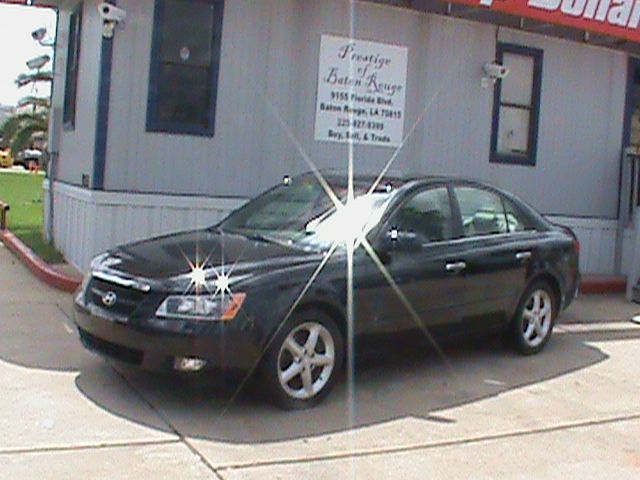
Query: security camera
496	71
39	34
112	16
111	13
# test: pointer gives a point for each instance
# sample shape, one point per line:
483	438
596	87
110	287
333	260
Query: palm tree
37	103
17	131
33	77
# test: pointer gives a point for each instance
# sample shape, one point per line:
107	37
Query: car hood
170	256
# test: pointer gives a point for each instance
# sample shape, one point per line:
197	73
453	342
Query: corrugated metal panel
269	64
87	223
597	242
76	146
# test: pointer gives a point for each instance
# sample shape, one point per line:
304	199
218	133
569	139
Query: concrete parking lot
571	412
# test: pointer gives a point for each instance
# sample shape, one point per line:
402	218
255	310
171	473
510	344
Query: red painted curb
40	269
599	284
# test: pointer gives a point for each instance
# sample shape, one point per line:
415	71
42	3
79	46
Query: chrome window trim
481	237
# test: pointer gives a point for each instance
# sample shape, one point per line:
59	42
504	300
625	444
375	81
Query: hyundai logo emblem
109	299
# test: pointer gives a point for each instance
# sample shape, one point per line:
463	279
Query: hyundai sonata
267	289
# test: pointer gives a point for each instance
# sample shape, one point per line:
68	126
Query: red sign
617	18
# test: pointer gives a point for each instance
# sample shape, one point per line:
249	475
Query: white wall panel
597	242
87	223
77	145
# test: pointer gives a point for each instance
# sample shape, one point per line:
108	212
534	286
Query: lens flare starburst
198	276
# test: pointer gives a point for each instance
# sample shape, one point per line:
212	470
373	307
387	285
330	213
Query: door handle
456	267
523	255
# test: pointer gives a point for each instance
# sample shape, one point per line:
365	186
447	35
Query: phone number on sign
345	122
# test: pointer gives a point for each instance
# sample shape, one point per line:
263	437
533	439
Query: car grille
126	301
111	350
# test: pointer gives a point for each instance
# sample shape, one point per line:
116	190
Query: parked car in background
467	258
27	156
6	160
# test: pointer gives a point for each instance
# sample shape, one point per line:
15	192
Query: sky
17	46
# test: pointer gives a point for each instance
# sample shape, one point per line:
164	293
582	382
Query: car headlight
202	307
97	261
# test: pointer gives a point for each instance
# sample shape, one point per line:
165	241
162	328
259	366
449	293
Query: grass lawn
23	192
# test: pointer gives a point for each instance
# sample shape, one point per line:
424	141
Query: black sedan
280	286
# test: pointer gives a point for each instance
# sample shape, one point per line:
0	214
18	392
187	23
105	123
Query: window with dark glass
482	212
71	79
517	220
184	66
517	105
427	217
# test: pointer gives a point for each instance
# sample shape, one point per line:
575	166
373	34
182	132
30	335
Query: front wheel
303	361
533	323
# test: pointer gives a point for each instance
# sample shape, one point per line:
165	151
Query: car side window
426	217
482	212
517	220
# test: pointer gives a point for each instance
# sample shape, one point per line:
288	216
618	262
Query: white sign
361	92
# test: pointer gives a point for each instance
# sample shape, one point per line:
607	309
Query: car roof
364	181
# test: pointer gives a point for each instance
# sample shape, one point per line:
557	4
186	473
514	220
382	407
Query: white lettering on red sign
620	13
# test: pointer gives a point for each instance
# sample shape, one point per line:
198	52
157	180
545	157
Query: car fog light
189	364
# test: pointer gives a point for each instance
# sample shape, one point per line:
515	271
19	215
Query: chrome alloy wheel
538	316
306	360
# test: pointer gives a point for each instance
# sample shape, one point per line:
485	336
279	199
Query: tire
532	325
294	375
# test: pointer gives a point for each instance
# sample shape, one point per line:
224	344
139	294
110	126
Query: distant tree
33	77
17	131
37	103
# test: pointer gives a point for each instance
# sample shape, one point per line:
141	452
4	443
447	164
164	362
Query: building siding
267	94
77	146
90	222
580	137
268	82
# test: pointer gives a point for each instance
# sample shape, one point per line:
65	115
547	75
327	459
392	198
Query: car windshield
301	212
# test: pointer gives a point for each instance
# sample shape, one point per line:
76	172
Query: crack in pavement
81	447
181	438
430	446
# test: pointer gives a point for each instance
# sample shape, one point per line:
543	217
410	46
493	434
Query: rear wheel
303	361
533	323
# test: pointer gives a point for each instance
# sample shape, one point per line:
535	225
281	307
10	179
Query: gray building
176	115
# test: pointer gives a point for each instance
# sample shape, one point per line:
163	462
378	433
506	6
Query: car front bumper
225	346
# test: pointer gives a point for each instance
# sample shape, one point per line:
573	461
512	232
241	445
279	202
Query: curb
601	284
40	269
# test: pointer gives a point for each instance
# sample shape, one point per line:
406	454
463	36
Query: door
496	255
415	249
